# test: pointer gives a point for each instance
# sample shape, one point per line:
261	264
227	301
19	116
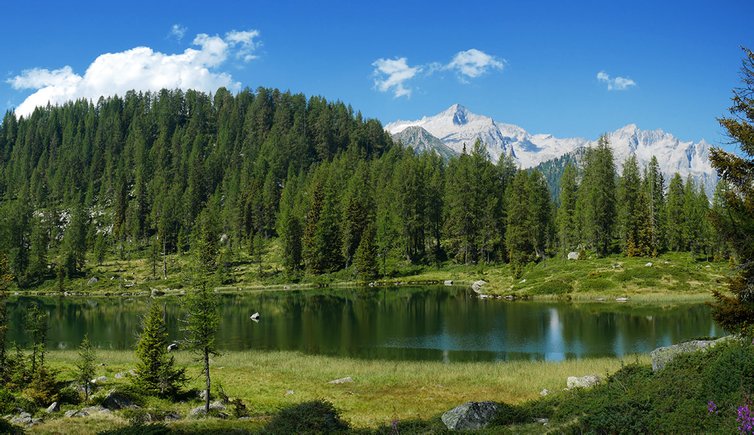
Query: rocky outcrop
663	355
470	416
216	408
116	400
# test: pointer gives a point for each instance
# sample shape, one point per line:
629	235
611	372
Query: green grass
381	391
671	276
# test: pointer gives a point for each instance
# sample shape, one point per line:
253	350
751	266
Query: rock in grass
663	355
470	416
587	381
116	400
215	408
448	282
346	380
573	255
54	407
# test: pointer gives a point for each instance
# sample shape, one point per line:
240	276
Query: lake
427	323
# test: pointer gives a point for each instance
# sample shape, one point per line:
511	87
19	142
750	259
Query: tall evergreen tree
597	197
674	214
735	310
567	225
201	327
519	240
85	366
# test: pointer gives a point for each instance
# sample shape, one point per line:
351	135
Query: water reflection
445	324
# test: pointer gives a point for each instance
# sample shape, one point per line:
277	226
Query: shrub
10	429
511	414
314	417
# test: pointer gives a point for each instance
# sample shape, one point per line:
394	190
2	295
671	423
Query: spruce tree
156	373
630	210
365	258
518	238
654	191
5	279
734	310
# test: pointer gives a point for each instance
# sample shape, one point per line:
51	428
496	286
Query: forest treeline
154	174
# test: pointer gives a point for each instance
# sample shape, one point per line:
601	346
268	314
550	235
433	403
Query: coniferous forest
148	175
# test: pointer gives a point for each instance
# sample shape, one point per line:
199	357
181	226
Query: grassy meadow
381	391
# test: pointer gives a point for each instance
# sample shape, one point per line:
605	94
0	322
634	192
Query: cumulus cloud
177	31
392	74
473	63
615	84
141	69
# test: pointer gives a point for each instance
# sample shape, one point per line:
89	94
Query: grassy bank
669	277
381	391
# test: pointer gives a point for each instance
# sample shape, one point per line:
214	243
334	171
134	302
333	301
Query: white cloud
616	84
393	74
473	63
244	41
177	31
141	69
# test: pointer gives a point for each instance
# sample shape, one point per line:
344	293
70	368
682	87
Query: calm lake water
428	323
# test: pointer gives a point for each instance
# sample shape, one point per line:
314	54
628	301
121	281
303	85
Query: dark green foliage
314	417
10	429
568	235
156	373
511	414
597	198
85	365
36	328
734	218
365	259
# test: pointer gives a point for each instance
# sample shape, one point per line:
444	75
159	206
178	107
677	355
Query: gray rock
573	255
448	282
93	280
289	392
72	413
214	406
470	416
544	392
90	410
120	375
346	380
587	381
23	418
477	285
99	380
172	416
115	401
53	408
649	264
663	355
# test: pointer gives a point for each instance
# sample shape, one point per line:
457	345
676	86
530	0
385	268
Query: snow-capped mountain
421	140
457	127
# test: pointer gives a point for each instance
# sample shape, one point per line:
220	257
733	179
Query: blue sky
670	65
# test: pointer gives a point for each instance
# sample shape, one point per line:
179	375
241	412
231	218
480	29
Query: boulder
477	285
214	406
23	418
99	380
346	380
53	408
115	401
587	381
448	282
573	255
470	416
663	355
93	280
85	412
649	264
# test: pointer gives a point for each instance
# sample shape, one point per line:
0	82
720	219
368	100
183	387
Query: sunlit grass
381	390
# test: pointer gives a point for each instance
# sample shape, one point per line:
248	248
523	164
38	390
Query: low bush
10	429
314	417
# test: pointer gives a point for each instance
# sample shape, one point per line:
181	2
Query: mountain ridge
457	126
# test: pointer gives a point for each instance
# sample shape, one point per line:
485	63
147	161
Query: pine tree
36	326
74	242
201	327
566	219
85	366
654	191
630	210
597	197
674	214
156	373
365	258
735	310
5	280
518	238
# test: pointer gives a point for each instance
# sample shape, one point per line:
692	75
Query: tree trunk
206	373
